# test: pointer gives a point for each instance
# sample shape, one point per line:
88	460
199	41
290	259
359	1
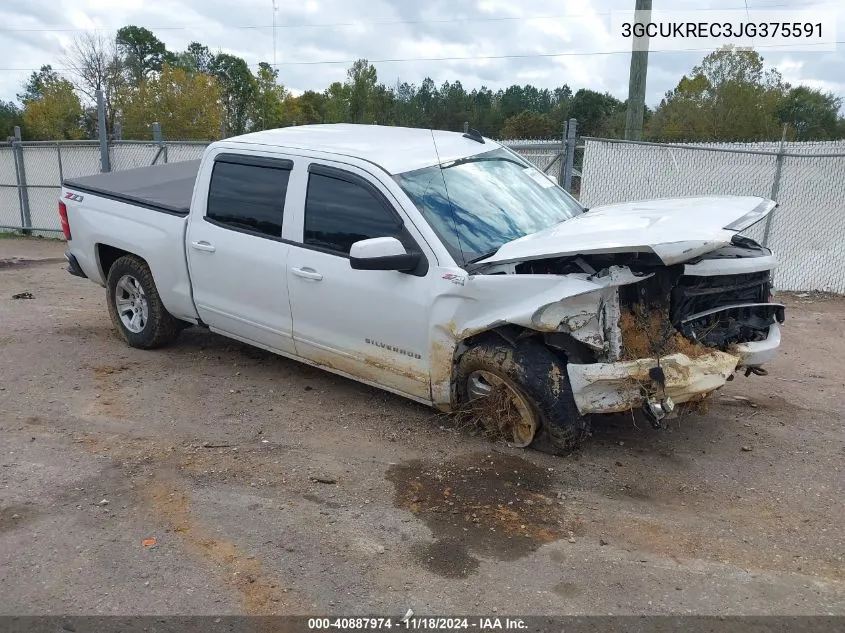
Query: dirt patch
650	334
566	589
244	464
14	516
447	558
19	262
740	532
490	504
261	595
108	370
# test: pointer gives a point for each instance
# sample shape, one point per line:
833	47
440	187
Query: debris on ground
23	295
747	449
324	480
148	542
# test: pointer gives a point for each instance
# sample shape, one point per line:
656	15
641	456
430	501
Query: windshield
495	197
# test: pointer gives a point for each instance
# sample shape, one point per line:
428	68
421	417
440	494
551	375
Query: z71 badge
73	196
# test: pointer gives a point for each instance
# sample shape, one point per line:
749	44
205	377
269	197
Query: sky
494	43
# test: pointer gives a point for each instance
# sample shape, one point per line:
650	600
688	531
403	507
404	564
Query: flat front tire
135	307
523	391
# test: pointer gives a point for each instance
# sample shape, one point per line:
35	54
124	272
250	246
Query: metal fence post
775	185
105	164
569	158
157	139
20	173
59	160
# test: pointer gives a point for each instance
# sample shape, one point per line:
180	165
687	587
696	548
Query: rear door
237	259
372	324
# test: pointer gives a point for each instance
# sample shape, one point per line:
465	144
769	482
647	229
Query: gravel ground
213	478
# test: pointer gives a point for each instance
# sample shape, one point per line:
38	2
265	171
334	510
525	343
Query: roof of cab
395	149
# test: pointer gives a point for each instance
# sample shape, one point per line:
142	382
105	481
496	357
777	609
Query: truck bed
166	188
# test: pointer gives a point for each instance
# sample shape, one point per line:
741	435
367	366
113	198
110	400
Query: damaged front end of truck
657	337
651	304
655	327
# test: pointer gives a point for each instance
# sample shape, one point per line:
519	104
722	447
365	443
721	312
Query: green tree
484	115
592	110
142	52
812	114
56	114
529	125
361	81
426	102
185	105
311	106
238	89
195	59
383	105
337	103
729	96
267	111
38	80
455	107
10	116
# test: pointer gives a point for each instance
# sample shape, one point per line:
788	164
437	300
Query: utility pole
274	34
637	78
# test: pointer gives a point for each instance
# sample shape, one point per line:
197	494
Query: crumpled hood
675	229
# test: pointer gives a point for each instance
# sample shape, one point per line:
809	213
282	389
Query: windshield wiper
486	159
483	256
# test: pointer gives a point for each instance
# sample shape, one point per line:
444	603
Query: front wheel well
521	389
562	345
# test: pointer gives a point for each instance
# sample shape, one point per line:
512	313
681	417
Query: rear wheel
135	307
521	392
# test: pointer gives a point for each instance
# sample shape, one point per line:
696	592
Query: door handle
202	245
307	273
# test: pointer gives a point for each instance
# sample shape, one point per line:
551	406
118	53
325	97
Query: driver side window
340	212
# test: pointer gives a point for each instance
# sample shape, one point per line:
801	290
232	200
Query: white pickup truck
439	266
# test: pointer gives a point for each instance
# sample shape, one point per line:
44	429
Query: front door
370	324
237	260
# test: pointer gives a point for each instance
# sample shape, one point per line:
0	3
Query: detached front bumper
620	386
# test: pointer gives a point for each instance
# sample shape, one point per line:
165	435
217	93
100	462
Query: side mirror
382	253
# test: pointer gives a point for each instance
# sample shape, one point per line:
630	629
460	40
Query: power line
62	29
486	57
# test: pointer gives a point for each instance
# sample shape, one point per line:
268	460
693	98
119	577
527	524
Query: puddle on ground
493	505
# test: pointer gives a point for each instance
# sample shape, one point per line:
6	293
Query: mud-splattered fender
572	304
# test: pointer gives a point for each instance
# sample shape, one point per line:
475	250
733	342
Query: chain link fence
31	172
806	179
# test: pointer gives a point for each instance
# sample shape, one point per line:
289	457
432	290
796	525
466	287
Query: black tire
160	327
542	380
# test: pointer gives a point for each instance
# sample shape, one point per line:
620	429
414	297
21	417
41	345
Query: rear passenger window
339	213
250	197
